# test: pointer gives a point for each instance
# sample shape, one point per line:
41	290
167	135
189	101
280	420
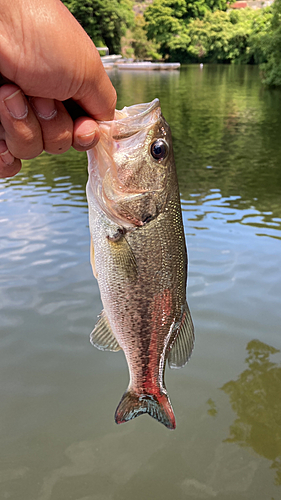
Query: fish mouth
137	109
105	183
132	119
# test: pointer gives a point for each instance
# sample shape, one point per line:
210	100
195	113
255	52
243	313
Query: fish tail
157	406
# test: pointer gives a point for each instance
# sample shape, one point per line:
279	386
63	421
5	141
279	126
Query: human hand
48	56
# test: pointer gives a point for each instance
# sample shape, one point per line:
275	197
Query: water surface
58	394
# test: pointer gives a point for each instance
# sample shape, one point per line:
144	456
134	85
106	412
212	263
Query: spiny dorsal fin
184	342
102	336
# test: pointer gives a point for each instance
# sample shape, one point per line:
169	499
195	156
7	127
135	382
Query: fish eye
159	149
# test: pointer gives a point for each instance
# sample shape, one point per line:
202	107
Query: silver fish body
139	257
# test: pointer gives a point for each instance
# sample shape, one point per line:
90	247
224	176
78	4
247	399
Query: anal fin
183	344
102	336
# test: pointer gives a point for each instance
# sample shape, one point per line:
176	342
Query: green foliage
167	23
105	21
259	34
203	31
272	46
233	36
143	48
135	43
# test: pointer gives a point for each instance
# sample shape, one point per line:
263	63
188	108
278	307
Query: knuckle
25	152
58	144
25	143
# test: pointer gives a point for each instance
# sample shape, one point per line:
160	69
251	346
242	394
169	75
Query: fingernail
86	140
45	108
7	157
16	105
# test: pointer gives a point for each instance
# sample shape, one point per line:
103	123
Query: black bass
138	256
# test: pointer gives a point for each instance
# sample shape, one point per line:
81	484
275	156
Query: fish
139	257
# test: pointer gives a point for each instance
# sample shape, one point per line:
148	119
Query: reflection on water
58	439
255	398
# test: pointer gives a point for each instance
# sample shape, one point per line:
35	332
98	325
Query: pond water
58	439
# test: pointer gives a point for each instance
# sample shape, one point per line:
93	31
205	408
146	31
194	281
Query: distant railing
102	49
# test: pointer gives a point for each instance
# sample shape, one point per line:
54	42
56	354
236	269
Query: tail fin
132	405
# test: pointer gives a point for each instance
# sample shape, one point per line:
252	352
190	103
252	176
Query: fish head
132	165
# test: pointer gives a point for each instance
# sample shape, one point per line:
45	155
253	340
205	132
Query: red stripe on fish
161	312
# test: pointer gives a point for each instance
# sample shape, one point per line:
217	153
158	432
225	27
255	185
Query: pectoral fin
124	258
184	342
102	336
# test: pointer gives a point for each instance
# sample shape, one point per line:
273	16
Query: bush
105	21
208	34
234	36
167	23
271	70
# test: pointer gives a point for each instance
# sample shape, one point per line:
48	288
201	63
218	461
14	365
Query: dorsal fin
102	336
184	342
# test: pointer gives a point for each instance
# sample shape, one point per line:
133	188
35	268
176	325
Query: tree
143	48
167	23
233	36
105	21
272	45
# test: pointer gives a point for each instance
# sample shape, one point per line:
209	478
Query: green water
58	439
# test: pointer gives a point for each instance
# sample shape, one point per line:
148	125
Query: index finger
96	96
